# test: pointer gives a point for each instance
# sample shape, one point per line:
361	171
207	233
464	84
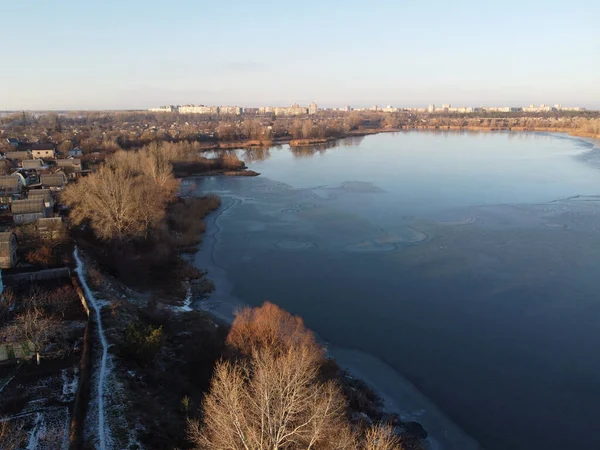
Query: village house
45	195
70	163
11	185
8	250
18	155
54	181
32	164
43	151
28	210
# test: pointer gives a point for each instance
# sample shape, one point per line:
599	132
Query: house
18	155
70	163
8	250
28	210
75	153
11	185
45	195
32	164
43	151
56	180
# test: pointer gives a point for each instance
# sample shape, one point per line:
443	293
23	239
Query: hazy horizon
108	55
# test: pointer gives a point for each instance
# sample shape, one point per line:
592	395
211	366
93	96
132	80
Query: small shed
28	210
50	228
8	250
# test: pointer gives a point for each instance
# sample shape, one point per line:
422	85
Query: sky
132	54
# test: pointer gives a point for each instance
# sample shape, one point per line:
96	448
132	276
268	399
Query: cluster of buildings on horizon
294	110
297	110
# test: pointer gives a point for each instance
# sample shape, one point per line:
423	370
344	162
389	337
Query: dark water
468	262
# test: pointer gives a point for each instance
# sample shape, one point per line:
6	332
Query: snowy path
102	432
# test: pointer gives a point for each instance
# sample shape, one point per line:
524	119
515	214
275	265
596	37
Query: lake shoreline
399	395
267	143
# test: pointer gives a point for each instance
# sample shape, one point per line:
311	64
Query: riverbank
253	143
399	395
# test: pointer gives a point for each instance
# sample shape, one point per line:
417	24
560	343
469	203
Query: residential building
11	185
294	110
8	250
166	109
69	163
431	108
28	210
53	181
538	109
43	151
313	108
42	194
198	109
347	108
32	164
18	155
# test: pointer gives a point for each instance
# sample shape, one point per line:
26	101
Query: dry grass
185	219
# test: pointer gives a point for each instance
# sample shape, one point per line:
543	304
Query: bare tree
273	396
271	402
381	437
118	204
270	327
12	435
33	326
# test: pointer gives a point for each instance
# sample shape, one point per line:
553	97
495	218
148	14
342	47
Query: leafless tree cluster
273	397
127	197
36	319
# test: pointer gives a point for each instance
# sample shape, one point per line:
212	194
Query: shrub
143	343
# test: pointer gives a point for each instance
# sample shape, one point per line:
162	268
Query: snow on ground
102	431
70	380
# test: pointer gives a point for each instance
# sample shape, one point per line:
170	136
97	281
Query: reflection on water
466	261
251	155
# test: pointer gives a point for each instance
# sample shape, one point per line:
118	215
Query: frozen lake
466	262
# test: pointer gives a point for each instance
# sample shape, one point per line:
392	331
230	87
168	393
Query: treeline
100	134
275	389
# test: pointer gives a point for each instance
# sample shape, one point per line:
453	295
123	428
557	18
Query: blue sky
75	54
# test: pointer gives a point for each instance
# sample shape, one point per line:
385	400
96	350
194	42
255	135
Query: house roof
28	206
32	164
9	182
48	146
5	236
68	162
53	180
21	154
6	239
44	194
